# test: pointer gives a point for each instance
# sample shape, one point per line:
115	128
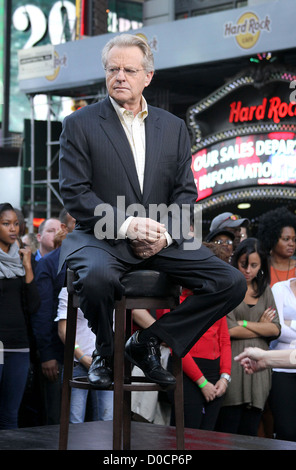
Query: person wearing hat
231	222
223	240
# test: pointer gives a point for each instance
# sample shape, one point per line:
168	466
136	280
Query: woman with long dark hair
252	324
18	296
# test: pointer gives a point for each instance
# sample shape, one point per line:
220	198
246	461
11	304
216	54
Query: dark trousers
217	289
283	405
239	419
198	413
13	378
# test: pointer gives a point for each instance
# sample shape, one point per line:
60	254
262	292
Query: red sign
273	108
261	159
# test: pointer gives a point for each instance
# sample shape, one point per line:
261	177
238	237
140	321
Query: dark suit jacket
45	329
97	166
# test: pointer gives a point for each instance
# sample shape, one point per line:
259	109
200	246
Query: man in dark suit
119	159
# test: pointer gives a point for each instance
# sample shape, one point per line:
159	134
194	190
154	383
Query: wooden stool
144	289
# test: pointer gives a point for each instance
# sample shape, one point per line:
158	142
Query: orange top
276	275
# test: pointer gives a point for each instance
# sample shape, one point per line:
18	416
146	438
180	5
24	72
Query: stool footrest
134	384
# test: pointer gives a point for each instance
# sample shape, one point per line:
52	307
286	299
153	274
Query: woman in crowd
207	369
282	396
277	232
18	296
221	241
253	323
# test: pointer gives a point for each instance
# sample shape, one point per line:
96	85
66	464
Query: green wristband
245	323
203	384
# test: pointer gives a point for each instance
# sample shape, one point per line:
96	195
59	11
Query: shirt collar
122	111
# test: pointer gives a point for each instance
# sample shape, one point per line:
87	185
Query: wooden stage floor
147	437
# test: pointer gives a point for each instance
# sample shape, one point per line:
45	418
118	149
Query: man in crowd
46	233
49	345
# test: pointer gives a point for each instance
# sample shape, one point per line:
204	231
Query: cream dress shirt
134	127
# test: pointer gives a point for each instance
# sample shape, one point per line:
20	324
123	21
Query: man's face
126	88
46	238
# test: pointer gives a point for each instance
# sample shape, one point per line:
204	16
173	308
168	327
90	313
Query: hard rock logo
247	29
58	63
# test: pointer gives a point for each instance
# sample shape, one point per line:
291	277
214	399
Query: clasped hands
147	236
211	391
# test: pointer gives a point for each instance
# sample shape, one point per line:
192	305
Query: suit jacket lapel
153	143
115	132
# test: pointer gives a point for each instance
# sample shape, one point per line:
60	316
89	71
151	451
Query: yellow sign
247	29
58	63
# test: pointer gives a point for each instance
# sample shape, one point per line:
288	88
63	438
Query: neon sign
274	109
261	159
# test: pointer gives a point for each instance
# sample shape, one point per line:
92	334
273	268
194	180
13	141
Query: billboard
244	134
260	159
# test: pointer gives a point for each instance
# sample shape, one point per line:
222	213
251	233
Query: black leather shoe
100	374
147	357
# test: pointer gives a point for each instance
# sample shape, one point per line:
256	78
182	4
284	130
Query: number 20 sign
31	17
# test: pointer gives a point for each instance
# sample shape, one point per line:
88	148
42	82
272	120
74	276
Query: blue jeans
101	401
13	379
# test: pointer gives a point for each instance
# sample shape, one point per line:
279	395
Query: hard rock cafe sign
244	134
273	108
247	29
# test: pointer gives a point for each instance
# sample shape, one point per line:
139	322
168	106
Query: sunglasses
223	242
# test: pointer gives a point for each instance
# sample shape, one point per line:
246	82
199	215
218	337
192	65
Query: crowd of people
238	290
218	393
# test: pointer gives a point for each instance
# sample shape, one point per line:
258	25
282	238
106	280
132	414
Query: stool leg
127	396
119	337
179	402
68	373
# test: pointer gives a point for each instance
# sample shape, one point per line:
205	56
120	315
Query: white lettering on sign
267	160
31	18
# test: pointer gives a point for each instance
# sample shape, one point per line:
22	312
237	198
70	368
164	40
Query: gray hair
129	40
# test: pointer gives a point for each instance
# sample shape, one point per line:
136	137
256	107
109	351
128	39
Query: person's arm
26	254
265	327
225	357
191	369
237	331
76	172
256	359
184	193
142	317
79	354
31	294
42	323
288	327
